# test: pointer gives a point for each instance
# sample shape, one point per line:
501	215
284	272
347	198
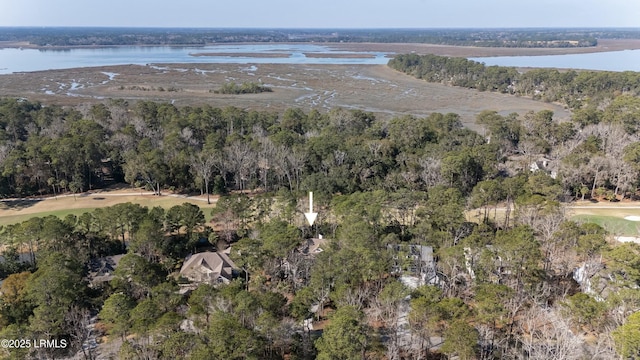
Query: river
627	60
21	60
24	60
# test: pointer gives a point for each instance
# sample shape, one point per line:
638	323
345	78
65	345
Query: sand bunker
632	218
623	239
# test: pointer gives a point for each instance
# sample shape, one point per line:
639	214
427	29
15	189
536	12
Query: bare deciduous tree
78	320
430	172
202	165
546	335
241	161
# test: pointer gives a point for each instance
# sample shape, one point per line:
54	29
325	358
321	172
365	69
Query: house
313	246
101	270
543	164
304	253
209	267
540	164
414	260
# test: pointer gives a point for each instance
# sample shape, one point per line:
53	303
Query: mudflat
375	88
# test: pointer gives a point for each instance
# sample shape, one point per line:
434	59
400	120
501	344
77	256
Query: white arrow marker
311	216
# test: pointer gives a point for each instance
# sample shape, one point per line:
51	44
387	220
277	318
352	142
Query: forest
531	283
244	88
523	38
579	90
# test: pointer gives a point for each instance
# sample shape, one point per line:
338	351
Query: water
627	60
19	60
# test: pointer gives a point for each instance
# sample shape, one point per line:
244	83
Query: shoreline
604	45
243	54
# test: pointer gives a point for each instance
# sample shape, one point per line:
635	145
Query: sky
322	13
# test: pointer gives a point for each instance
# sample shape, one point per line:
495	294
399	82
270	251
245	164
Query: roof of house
313	246
102	269
210	264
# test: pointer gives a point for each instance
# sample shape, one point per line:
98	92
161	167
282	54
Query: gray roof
208	267
102	269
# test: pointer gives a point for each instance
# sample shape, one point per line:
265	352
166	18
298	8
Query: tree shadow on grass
116	186
18	204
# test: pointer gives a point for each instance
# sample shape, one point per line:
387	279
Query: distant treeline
551	38
573	88
538	38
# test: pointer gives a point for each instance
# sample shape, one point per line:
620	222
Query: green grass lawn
615	225
14	219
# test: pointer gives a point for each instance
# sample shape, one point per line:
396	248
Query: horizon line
317	28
